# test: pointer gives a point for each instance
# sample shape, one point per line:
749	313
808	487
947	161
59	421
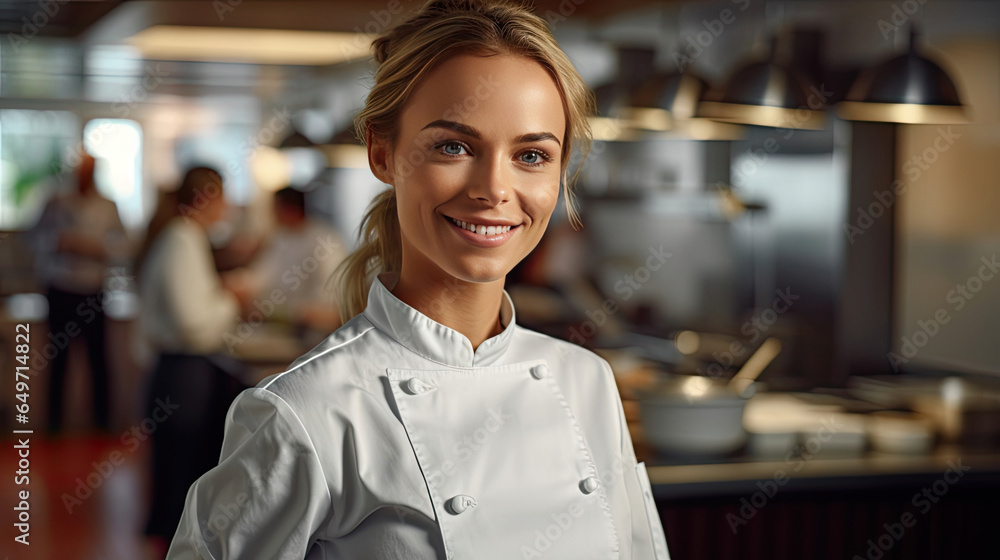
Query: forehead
502	95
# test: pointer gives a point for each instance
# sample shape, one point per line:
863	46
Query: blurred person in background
187	307
297	263
78	237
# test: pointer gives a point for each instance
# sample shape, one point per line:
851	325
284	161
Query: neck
471	308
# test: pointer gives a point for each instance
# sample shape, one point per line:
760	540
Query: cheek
431	185
540	198
417	197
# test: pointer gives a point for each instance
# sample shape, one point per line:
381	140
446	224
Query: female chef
430	425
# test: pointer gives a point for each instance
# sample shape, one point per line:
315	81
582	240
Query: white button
540	371
588	485
416	386
460	503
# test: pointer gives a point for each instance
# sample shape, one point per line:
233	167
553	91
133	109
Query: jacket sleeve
648	539
268	496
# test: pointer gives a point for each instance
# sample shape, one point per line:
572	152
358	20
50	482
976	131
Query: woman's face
480	140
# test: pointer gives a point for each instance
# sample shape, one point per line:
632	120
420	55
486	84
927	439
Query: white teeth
483	230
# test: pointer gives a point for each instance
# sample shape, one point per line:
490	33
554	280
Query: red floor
88	499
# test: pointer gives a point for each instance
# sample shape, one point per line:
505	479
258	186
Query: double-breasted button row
417	386
463	502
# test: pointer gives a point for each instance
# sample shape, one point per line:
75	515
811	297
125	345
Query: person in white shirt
78	238
431	425
186	310
296	265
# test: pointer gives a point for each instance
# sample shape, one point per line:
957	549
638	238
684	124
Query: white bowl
699	426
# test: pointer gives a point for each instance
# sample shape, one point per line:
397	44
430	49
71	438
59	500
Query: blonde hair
439	30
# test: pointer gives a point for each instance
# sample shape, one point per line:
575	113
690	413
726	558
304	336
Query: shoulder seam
540	335
276	377
567	345
312	445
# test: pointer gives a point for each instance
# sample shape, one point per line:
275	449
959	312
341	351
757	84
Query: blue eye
452	148
535	158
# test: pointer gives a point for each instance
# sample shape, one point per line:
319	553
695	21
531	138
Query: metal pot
693	415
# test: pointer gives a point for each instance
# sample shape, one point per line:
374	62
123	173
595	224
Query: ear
380	158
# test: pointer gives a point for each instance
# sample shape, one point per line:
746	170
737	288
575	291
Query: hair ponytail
379	251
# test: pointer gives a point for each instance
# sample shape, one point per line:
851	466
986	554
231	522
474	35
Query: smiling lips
482	235
487	231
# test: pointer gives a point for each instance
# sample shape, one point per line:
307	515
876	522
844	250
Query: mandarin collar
428	338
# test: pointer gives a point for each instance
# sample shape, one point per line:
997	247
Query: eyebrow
470	131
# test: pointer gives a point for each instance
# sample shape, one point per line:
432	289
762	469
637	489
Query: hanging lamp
765	93
669	102
908	89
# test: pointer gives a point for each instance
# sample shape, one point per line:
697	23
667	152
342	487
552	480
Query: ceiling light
258	46
908	88
765	93
666	104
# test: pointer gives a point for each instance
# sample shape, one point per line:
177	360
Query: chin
480	272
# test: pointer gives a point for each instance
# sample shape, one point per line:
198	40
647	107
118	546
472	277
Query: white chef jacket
394	439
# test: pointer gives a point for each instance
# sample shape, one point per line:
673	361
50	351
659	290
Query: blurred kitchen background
812	184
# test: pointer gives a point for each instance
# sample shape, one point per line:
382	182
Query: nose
492	181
